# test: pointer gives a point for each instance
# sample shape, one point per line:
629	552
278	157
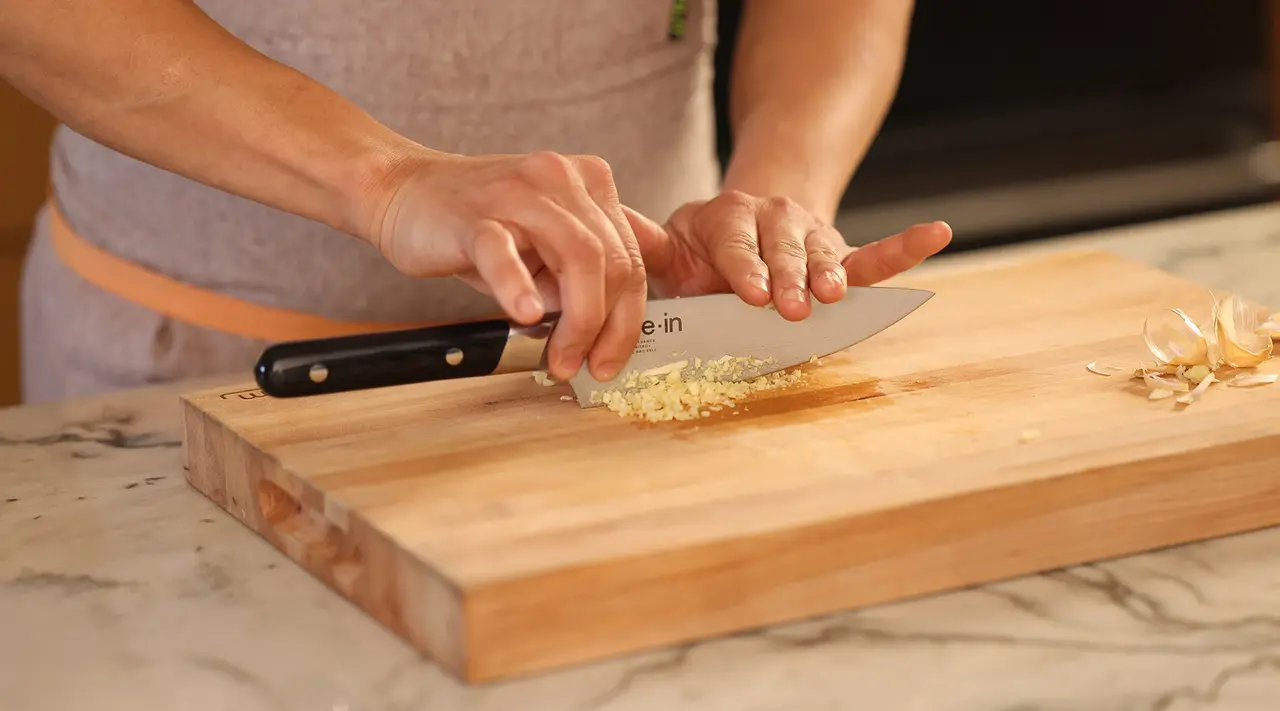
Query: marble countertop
122	588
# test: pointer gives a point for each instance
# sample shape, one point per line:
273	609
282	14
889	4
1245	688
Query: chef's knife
705	327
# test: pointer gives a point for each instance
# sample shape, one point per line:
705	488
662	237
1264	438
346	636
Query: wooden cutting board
505	531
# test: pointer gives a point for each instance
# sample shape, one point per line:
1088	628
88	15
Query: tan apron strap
191	304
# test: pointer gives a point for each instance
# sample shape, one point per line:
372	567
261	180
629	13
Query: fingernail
572	362
608	371
530	306
759	281
793	293
835	277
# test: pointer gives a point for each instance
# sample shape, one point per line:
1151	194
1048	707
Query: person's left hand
770	249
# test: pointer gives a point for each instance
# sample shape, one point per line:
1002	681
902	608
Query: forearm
812	82
160	81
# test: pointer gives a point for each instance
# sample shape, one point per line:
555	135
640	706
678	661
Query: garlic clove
1188	398
1196	374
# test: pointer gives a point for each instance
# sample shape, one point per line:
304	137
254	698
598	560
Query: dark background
998	94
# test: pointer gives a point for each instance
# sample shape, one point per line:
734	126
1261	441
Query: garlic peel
1240	338
1248	380
1190	397
1175	339
1105	370
1155	382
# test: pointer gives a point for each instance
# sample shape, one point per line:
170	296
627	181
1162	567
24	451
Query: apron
136	276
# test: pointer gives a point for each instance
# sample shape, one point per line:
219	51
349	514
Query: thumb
655	244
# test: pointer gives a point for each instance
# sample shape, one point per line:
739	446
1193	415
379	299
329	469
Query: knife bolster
526	348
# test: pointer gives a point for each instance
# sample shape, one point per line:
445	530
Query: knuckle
618	268
483	233
783	205
546	165
734	197
822	253
594	169
787	249
884	265
875	264
586	248
638	279
738	240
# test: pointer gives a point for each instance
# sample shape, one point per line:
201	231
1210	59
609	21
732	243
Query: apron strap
195	305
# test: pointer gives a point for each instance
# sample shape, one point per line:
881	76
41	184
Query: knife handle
378	360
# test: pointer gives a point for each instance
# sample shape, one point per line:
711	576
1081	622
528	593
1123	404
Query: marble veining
122	588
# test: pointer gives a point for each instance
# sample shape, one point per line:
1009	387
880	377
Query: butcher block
503	530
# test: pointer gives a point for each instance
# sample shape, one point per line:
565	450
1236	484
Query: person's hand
770	249
539	232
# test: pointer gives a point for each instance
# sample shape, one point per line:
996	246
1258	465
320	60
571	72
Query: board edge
402	593
1242	496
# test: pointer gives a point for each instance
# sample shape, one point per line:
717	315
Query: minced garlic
543	379
687	391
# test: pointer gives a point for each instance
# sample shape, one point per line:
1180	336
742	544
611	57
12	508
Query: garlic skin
1104	370
1239	337
1271	327
1249	380
1175	339
1242	342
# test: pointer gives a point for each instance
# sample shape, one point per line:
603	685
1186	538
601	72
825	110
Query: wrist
365	185
776	155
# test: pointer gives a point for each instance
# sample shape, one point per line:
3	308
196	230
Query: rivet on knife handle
384	359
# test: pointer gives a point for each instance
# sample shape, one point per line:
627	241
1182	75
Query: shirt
469	77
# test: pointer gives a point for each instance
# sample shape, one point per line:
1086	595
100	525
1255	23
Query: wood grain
25	131
503	531
11	262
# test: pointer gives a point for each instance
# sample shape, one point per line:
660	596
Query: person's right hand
539	232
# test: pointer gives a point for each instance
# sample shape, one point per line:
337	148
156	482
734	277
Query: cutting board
504	531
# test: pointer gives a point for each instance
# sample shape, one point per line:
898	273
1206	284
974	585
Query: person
232	173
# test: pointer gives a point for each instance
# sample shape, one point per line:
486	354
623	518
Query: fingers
493	252
732	244
594	265
890	256
625	280
783	230
827	277
656	249
576	258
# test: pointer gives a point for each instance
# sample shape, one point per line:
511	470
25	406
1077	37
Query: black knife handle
378	360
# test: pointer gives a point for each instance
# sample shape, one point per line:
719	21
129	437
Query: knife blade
710	327
706	327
